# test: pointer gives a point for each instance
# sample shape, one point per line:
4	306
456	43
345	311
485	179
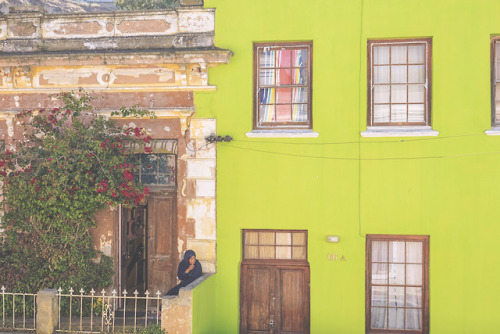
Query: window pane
414	297
396	296
266	113
381	74
166	163
416	54
299	95
416	73
283	112
299	112
266	77
381	55
266	58
398	113
396	274
266	238
413	319
379	317
398	74
397	251
251	252
283	238
283	252
149	179
379	296
266	95
148	163
379	273
416	93
251	238
283	58
414	274
164	179
416	113
414	252
299	238
398	94
299	76
299	58
381	93
283	95
283	76
299	253
379	251
381	113
398	54
266	252
396	318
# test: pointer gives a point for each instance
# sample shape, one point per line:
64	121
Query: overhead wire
359	141
359	156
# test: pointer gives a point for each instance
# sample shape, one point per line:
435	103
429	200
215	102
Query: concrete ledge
177	311
282	134
399	131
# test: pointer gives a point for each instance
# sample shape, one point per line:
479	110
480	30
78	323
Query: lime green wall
204	307
452	197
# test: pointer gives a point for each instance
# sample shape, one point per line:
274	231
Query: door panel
274	299
260	285
161	241
294	304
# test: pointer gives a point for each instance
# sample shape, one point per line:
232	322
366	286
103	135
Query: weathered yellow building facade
154	60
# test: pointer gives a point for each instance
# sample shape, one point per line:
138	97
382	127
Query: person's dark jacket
186	279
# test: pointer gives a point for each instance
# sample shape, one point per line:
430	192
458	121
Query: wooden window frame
273	261
425	282
493	55
428	83
256	87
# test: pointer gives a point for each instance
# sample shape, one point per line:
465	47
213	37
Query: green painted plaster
204	307
445	190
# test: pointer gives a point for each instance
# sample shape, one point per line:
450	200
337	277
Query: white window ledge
282	134
494	131
399	131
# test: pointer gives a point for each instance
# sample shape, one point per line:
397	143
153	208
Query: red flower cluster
102	186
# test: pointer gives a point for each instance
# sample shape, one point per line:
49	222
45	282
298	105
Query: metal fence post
47	307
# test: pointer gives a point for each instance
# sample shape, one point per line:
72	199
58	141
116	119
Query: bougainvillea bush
71	163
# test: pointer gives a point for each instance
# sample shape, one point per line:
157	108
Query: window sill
494	131
399	131
282	134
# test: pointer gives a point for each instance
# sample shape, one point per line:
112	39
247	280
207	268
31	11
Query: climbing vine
71	163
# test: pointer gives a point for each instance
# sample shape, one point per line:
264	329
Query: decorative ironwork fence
18	310
101	312
95	312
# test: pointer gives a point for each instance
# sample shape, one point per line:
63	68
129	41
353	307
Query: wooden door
161	243
274	299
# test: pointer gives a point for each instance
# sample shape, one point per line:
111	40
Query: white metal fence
18	310
95	312
101	312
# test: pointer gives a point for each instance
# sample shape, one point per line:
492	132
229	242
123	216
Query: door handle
271	324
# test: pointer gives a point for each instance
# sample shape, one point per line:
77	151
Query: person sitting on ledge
189	269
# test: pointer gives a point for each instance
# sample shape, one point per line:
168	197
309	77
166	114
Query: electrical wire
364	159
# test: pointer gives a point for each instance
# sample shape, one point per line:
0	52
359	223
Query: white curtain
399	80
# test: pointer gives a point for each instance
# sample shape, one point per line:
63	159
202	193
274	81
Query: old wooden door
161	243
274	299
